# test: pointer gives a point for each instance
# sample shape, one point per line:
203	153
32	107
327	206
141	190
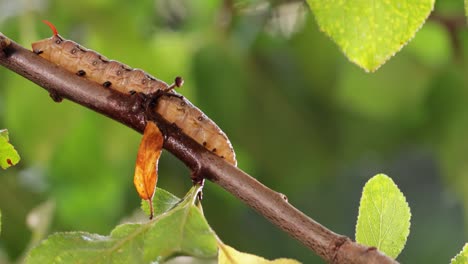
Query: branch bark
127	110
453	24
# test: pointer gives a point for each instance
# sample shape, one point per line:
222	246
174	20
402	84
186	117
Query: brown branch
453	24
125	109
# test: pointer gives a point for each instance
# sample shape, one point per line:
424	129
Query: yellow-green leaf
462	257
228	255
370	32
384	216
8	154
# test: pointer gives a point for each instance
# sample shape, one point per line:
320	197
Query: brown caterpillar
122	78
185	115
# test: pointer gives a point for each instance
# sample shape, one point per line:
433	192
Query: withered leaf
146	168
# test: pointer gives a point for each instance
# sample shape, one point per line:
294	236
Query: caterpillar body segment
196	125
93	66
122	78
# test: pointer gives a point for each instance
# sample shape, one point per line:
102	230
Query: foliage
370	33
163	201
462	257
8	155
384	216
302	119
228	255
181	230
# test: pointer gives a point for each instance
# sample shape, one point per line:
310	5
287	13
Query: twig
453	24
126	109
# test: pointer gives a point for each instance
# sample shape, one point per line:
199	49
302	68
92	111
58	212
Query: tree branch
453	24
127	110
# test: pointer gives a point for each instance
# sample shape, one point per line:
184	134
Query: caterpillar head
46	47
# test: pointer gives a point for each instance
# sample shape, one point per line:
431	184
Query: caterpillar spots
196	125
81	73
107	84
124	79
75	58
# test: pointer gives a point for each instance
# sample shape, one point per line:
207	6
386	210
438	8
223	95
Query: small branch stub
4	41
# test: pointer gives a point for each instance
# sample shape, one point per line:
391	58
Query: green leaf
0	222
182	230
370	32
384	216
162	201
462	257
8	154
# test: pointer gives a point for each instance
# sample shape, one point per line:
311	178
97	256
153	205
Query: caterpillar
119	77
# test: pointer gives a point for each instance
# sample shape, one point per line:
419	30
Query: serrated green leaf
8	155
384	216
162	201
182	230
462	257
370	32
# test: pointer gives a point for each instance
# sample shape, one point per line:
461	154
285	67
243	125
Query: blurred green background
303	120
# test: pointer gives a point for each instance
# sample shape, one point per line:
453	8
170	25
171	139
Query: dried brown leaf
146	168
